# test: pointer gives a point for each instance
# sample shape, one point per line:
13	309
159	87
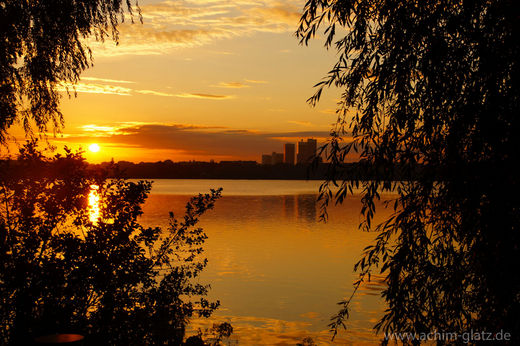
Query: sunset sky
201	80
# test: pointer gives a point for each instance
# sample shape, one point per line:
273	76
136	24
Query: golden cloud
237	85
205	96
94	89
152	92
188	138
123	91
96	79
168	25
302	123
256	81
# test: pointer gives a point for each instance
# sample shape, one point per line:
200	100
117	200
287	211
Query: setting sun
94	148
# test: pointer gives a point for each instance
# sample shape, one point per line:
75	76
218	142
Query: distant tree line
241	170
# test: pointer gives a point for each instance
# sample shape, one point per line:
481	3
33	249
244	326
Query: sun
94	147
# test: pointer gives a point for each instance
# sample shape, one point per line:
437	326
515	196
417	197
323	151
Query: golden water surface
276	269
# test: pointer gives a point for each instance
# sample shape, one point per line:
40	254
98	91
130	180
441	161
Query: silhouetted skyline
306	153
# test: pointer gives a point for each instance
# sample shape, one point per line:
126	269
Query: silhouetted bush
110	279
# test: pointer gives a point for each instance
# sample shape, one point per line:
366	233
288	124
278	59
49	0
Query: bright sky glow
93	204
94	147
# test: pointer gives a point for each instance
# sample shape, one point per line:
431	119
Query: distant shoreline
232	170
240	170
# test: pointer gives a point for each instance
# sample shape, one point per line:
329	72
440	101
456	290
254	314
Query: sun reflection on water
93	204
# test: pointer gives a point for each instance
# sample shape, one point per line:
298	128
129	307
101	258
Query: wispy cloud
96	88
152	92
190	23
96	79
256	81
236	85
205	96
101	129
310	315
328	111
302	123
278	13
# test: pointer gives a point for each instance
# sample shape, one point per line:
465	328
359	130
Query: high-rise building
277	158
267	160
306	153
312	146
289	153
302	147
306	150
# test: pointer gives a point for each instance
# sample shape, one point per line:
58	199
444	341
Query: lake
277	270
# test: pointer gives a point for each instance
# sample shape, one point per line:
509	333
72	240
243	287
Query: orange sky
201	80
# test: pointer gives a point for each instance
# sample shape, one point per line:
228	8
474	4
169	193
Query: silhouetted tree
211	336
42	43
433	83
111	279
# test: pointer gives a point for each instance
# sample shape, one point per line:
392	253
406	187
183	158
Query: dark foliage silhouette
110	279
432	83
211	336
42	45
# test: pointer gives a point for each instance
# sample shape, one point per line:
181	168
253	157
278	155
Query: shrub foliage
111	279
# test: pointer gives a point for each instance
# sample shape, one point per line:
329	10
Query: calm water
276	269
